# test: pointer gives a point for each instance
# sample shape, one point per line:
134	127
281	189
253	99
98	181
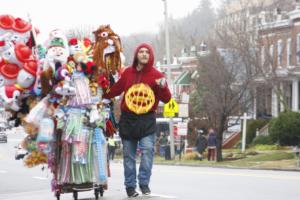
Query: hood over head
151	57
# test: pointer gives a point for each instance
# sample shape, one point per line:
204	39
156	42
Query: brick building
280	58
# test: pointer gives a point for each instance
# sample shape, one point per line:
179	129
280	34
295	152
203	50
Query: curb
219	167
230	167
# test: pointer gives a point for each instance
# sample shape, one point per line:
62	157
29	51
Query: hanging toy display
56	88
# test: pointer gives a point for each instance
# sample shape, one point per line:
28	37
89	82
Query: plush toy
107	50
30	129
21	30
10	95
88	47
75	46
103	82
5	42
63	77
13	30
47	81
6	23
56	53
35	158
58	34
94	114
17	54
8	74
27	75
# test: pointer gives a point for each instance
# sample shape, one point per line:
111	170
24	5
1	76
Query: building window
288	52
279	53
298	48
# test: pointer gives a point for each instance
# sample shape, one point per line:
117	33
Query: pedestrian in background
111	148
201	144
163	141
212	145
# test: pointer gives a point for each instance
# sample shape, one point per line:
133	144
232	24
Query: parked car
3	137
20	152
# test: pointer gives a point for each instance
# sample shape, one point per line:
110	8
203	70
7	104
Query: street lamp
172	149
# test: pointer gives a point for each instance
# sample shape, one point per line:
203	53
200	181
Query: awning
184	78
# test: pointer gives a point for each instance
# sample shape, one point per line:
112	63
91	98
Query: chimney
297	3
278	14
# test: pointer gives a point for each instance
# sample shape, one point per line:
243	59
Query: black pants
211	153
111	152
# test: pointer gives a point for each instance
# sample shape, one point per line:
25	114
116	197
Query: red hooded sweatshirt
147	75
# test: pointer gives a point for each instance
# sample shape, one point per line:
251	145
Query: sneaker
131	192
145	189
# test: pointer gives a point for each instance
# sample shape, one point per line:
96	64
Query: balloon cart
54	90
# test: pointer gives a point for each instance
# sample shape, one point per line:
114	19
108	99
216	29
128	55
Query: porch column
274	102
255	103
281	97
295	95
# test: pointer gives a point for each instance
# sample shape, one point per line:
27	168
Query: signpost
244	118
169	111
182	128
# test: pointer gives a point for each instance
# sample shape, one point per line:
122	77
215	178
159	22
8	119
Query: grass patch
265	147
271	157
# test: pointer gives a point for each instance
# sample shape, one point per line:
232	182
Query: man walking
143	88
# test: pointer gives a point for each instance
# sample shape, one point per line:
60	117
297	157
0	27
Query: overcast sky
124	16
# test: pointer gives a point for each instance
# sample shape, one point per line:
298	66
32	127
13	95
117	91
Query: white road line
40	178
3	171
15	140
162	196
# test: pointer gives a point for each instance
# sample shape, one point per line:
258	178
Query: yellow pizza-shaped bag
139	98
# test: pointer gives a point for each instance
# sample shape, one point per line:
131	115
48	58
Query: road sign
169	114
183	110
182	128
171	107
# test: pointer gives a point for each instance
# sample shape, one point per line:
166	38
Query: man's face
143	56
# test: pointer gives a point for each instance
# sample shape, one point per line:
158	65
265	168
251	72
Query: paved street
168	182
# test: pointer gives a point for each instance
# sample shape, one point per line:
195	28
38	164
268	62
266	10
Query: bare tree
227	77
80	32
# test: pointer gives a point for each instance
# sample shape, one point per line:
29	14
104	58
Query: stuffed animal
21	31
75	46
27	75
47	81
8	74
17	54
6	23
10	95
58	34
107	50
63	77
56	53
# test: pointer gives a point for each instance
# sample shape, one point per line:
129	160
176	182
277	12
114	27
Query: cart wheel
101	190
75	195
96	194
57	195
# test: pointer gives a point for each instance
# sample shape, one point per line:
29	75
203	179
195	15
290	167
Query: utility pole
172	149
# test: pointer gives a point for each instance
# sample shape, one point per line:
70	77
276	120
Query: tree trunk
220	139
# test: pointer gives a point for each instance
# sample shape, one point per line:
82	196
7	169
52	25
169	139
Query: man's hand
162	82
